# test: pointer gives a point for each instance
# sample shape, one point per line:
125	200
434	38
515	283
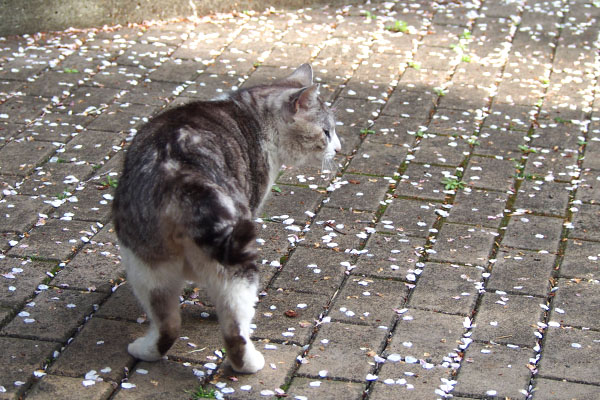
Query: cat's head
306	125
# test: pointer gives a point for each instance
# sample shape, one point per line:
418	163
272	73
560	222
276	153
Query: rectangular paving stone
390	256
467	96
338	229
532	232
377	159
588	191
324	388
563	135
581	259
494	367
441	150
447	121
548	198
408	217
20	278
362	192
583	222
24	109
570	354
356	112
413	104
508	117
122	305
478	207
522	271
490	173
105	343
368	301
424	181
343	350
285	315
424	335
559	164
54	178
406	381
292	201
21	157
19	359
56	239
66	388
56	127
447	288
54	314
509	319
578	302
394	131
463	244
163	378
563	390
280	362
317	271
20	213
500	143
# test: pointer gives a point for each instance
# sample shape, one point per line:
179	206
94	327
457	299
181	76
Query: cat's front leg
235	297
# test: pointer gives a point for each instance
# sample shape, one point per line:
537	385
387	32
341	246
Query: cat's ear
306	98
303	75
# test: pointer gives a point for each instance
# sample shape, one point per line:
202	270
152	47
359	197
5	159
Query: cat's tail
217	225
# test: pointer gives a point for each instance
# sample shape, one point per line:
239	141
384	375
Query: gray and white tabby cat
194	179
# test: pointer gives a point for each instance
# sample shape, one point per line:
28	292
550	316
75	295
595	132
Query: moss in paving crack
399	26
201	393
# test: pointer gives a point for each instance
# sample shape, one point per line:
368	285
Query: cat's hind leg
157	287
234	291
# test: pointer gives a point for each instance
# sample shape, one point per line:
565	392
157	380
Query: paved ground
456	253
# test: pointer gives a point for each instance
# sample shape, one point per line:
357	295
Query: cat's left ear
303	75
306	98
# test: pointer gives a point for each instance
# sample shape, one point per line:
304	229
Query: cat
194	179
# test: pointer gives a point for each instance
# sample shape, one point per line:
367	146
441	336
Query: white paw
144	349
253	362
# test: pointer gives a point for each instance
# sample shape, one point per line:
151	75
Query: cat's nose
337	146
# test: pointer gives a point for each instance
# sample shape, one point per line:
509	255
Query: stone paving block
465	97
356	112
161	379
578	303
476	73
447	288
394	131
289	54
452	122
20	213
19	359
424	181
442	35
24	109
51	83
368	301
583	222
423	335
519	91
55	178
494	367
150	93
66	388
94	201
315	271
85	97
275	245
279	364
91	147
419	79
563	135
388	159
463	244
118	76
56	127
436	58
122	305
177	70
500	143
324	388
105	274
56	240
54	315
9	132
390	256
508	117
478	207
408	217
410	104
405	381
522	271
557	164
581	260
441	150
548	198
20	158
105	342
563	390
362	192
509	319
588	191
339	229
344	351
285	315
570	354
490	173
20	278
292	201
142	54
533	232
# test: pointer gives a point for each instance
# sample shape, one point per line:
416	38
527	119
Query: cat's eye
326	131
